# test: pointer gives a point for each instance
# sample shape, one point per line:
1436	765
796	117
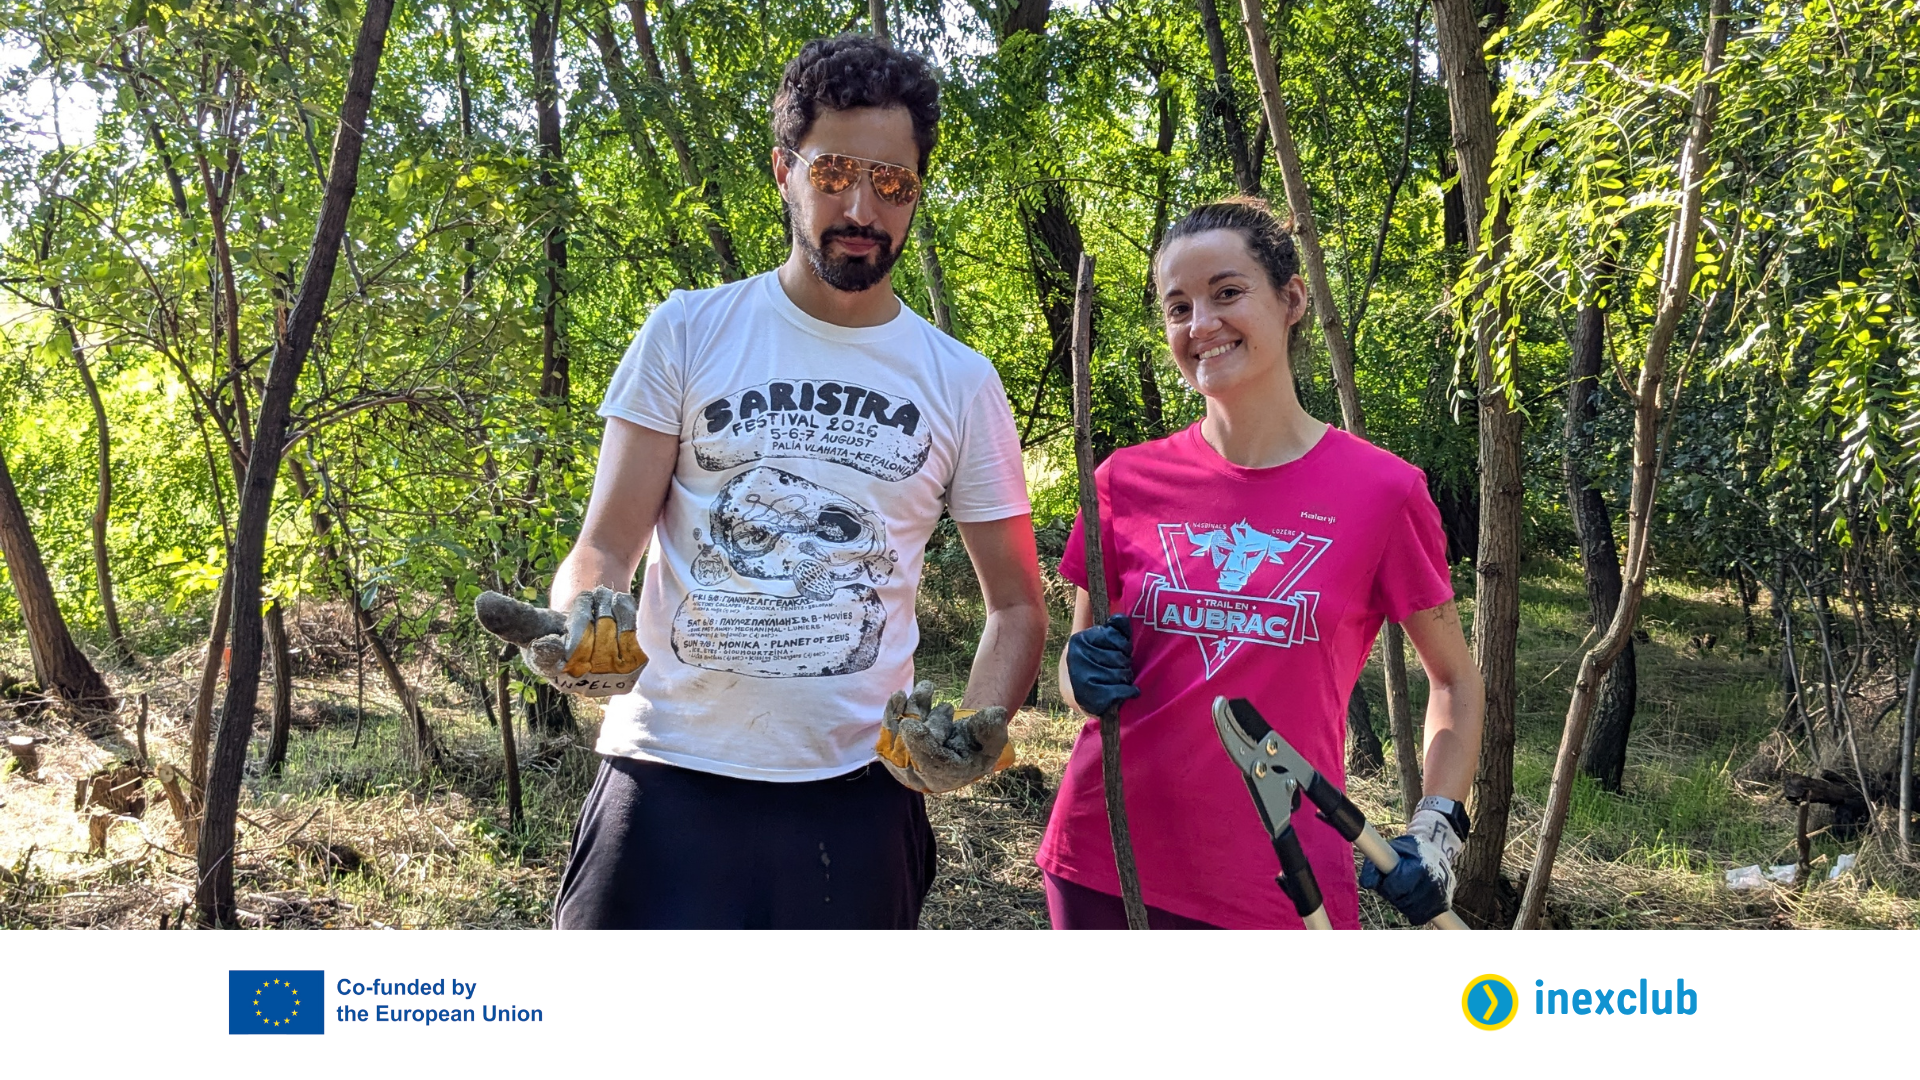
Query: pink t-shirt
1267	584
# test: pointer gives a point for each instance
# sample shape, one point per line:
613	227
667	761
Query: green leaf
136	14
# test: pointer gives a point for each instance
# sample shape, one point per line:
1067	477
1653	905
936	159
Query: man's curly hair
854	71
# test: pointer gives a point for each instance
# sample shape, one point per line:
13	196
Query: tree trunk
923	234
213	893
420	745
1606	752
200	727
1225	102
103	498
1339	349
58	664
718	235
622	83
277	647
1675	296
509	751
1496	617
543	38
1406	740
1365	755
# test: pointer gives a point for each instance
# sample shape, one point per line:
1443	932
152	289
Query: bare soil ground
349	836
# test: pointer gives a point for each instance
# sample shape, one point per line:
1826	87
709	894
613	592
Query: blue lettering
1558	997
1605	998
1582	1002
1689	1001
1625	1008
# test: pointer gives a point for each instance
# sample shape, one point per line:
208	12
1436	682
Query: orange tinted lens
895	184
833	173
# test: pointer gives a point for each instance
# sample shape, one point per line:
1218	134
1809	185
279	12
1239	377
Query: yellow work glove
591	650
934	748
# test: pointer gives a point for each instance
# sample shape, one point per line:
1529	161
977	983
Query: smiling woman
1258	552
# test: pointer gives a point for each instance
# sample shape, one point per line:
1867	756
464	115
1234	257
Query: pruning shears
1277	776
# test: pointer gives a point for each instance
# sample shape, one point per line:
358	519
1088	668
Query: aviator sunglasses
833	174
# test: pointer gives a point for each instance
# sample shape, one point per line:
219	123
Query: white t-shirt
777	610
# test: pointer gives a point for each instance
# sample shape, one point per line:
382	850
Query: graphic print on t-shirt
1254	598
840	422
819	554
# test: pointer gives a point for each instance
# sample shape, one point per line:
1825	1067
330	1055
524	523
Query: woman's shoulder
1364	462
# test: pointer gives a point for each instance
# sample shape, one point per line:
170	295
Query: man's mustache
857	232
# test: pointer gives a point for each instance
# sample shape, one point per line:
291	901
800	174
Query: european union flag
276	1002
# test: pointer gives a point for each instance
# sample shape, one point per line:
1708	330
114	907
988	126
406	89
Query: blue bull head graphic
1238	552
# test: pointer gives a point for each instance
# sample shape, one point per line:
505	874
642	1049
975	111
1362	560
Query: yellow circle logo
1489	1002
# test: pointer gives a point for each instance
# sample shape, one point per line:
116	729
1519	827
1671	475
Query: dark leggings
1076	907
660	847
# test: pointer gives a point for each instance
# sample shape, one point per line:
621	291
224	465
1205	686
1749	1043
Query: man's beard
845	273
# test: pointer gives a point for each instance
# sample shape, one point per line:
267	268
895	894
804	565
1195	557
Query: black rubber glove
1100	665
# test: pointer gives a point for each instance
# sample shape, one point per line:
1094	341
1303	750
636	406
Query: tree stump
97	826
26	755
169	778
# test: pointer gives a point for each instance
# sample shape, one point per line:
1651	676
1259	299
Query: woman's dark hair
1269	240
854	71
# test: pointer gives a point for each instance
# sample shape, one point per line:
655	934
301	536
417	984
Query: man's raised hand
591	650
935	748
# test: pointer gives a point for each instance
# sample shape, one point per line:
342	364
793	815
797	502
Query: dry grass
348	836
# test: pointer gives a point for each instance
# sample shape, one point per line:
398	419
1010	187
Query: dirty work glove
590	651
1100	665
934	748
1421	887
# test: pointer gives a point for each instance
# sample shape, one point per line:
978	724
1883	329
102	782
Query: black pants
659	847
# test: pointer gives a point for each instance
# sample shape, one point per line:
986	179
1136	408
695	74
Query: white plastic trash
1783	873
1840	866
1745	877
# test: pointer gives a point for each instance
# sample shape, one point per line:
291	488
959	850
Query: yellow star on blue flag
276	1003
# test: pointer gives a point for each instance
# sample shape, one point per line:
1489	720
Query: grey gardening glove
1421	887
935	748
591	650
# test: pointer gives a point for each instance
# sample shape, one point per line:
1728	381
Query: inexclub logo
1489	1002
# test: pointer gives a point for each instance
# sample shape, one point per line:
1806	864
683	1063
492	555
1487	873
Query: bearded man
788	443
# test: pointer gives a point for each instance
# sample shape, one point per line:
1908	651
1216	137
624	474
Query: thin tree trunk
1496	617
58	664
213	893
420	744
1111	776
1675	296
620	80
200	727
1339	349
1906	749
1365	755
715	220
103	498
282	655
1406	741
464	93
1605	757
544	44
508	750
1226	103
1300	203
923	235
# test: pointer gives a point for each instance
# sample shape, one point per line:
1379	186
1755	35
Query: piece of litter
1745	877
1783	873
1840	866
